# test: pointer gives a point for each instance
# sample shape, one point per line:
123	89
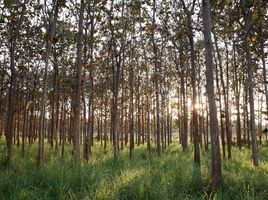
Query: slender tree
215	147
77	92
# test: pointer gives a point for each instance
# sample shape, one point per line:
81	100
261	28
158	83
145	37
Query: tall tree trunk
221	114
77	94
250	87
157	74
105	122
148	138
184	124
11	101
262	31
131	110
226	105
193	76
237	95
215	148
90	129
50	33
13	84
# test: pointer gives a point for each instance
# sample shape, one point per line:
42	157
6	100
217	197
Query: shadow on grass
173	176
240	179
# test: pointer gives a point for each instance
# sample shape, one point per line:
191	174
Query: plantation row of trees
128	72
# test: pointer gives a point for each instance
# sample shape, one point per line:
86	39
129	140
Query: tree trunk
226	105
262	43
11	101
215	148
131	110
147	109
77	93
50	34
193	77
250	88
157	74
237	98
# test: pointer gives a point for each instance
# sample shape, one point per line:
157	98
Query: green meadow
173	176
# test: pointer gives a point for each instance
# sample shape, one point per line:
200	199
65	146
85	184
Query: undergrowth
173	176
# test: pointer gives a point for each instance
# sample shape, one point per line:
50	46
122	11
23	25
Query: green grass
171	177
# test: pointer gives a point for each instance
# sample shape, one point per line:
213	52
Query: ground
173	176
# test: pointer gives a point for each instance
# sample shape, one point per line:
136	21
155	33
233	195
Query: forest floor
173	176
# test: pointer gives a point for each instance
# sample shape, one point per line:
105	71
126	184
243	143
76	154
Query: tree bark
250	88
157	74
193	76
215	149
226	105
78	87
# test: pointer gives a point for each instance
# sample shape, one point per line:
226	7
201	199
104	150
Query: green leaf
9	3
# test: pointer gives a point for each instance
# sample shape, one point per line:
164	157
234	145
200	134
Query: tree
156	76
189	13
215	148
77	92
15	25
50	36
247	13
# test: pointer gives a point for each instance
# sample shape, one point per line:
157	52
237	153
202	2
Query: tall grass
173	176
